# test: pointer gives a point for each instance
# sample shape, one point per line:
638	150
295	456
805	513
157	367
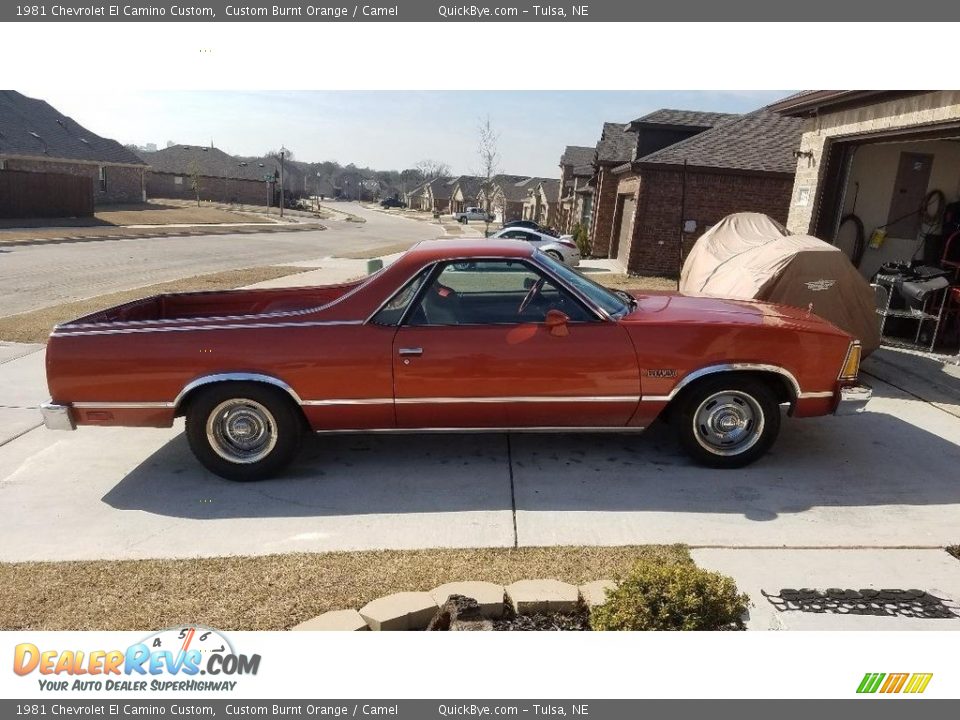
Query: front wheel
243	431
727	422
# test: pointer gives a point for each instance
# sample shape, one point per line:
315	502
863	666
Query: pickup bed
223	303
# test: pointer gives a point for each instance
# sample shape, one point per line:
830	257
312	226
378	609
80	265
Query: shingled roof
617	143
32	128
578	155
210	161
683	118
761	141
441	188
469	185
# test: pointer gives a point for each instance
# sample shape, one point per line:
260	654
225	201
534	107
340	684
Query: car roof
432	250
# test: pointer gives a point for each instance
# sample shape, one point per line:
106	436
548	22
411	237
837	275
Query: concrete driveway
886	478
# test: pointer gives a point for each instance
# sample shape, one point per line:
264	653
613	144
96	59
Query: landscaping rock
488	595
595	593
400	611
335	620
460	613
528	597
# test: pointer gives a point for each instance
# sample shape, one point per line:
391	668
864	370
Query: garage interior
891	202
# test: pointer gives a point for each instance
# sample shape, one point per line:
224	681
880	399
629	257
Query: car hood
676	308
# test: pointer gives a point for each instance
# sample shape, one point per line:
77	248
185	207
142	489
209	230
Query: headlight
851	364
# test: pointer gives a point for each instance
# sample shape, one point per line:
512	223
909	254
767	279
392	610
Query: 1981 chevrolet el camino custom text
455	335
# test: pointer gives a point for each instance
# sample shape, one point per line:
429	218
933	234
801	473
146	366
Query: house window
3	164
103	179
178	180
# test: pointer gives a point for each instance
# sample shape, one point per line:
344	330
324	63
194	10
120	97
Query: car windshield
614	304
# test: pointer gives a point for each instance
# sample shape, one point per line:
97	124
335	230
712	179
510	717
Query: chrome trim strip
518	399
813	395
725	367
347	401
122	405
543	429
68	332
236	377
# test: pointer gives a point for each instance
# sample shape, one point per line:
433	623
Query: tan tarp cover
751	256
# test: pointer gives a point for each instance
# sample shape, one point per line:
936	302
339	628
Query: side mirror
556	322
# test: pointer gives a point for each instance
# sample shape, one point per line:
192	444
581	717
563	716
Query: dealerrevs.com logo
179	659
892	683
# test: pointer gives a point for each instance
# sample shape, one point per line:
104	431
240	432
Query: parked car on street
466	335
532	225
392	203
473	213
561	248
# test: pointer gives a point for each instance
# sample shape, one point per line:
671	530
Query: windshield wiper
631	300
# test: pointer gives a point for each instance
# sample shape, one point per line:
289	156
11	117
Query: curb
212	230
415	610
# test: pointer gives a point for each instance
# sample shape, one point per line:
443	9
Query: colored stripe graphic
918	682
870	682
913	683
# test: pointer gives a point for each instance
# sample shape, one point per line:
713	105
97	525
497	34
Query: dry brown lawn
376	252
273	592
35	326
633	282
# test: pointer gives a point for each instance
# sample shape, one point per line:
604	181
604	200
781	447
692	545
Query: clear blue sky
383	129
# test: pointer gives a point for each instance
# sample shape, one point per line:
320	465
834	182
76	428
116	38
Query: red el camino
456	335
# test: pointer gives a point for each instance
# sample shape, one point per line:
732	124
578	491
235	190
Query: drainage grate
887	602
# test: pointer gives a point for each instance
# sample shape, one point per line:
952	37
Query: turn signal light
851	365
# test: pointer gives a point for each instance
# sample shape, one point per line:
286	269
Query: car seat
441	306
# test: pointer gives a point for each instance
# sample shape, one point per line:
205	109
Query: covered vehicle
750	256
467	335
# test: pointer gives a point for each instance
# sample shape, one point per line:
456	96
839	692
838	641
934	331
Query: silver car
561	248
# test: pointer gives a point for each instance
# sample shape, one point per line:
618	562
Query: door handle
411	351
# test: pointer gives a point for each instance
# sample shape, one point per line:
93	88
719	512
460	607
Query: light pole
282	152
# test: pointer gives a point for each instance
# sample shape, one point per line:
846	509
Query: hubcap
241	430
728	422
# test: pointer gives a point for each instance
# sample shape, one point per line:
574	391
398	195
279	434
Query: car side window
392	312
492	292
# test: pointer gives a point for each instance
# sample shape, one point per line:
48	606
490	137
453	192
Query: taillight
567	243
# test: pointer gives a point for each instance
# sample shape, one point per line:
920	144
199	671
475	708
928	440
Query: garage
878	175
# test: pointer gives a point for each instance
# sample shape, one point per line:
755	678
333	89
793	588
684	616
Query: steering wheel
531	294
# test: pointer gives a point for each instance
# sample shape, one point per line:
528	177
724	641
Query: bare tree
193	170
489	158
432	169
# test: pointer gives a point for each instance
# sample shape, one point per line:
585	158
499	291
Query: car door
475	351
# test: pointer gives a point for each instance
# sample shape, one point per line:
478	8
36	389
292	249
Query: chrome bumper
57	417
853	399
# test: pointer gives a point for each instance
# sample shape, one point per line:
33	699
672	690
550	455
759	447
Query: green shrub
582	238
671	596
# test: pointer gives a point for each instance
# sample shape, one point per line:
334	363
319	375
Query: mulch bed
544	621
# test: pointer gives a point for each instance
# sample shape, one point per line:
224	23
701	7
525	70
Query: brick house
464	192
36	138
222	177
876	156
621	144
504	196
678	192
542	203
576	169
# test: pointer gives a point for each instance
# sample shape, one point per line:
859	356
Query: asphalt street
44	274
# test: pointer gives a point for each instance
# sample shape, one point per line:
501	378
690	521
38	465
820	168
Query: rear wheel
727	422
555	255
243	431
